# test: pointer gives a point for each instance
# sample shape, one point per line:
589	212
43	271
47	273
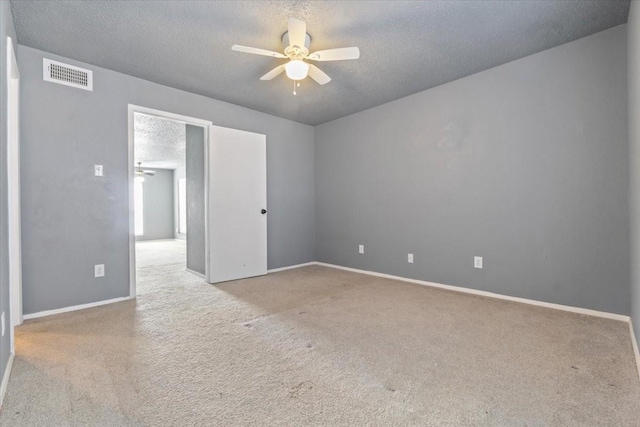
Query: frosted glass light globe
296	69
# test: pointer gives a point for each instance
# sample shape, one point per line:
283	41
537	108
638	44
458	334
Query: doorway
167	185
229	233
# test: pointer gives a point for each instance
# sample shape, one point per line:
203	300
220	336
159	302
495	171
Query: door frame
13	187
132	235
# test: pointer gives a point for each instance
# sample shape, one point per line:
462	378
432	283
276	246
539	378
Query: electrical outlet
410	258
98	270
361	249
477	262
3	323
98	170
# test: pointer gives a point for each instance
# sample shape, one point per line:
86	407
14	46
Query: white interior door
237	204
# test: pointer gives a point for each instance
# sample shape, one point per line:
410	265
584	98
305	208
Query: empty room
291	213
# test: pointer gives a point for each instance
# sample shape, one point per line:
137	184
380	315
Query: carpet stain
300	388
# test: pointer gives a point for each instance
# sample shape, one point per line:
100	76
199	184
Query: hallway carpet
318	346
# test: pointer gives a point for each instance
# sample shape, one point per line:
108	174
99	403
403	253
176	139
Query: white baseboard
291	267
569	308
74	308
170	239
634	343
195	272
5	378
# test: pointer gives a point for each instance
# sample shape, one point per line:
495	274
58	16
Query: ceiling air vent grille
66	74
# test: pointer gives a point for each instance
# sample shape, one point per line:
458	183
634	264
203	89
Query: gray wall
633	37
66	210
6	29
524	164
158	206
195	199
178	173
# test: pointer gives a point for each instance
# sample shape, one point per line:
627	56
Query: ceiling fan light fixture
296	43
296	69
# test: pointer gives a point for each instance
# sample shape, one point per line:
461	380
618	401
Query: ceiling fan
296	43
141	173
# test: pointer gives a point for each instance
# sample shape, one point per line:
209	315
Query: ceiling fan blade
297	32
256	51
273	73
339	54
318	75
149	172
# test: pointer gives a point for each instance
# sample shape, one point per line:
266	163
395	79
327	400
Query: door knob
263	211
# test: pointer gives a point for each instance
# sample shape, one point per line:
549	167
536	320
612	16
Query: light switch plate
477	261
3	323
361	249
98	270
98	170
410	258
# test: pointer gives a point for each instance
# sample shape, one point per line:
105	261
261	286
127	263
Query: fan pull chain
294	87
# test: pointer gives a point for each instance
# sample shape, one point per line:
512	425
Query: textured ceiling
158	143
406	47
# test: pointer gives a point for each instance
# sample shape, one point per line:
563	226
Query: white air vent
66	74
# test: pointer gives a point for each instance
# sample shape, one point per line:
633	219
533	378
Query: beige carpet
160	252
318	346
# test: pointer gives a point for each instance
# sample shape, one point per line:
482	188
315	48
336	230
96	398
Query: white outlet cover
98	270
361	249
3	323
98	170
477	261
410	258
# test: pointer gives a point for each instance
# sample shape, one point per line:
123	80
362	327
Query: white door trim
132	237
13	182
5	378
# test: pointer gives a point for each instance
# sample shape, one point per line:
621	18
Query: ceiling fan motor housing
296	52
